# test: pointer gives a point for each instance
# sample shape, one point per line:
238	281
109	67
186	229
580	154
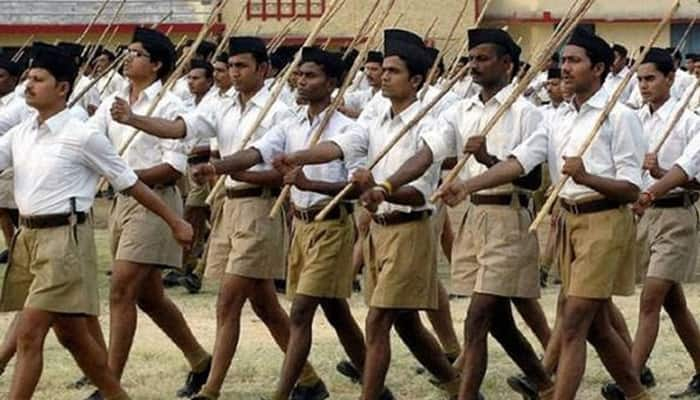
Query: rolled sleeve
271	144
354	145
628	148
533	151
199	123
689	161
442	138
176	159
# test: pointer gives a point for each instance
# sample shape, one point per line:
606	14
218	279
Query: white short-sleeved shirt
617	151
111	83
145	151
365	144
468	117
466	88
17	110
295	136
90	98
655	125
358	99
612	81
59	160
378	104
230	122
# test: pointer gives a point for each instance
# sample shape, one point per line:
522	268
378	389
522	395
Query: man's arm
500	174
182	231
616	189
159	127
321	153
298	178
161	174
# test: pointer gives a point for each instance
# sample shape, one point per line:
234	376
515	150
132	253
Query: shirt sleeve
628	147
200	122
427	183
442	139
6	149
101	156
689	161
354	145
173	150
12	114
272	143
354	162
533	151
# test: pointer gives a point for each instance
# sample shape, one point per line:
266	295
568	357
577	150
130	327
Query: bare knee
337	312
302	314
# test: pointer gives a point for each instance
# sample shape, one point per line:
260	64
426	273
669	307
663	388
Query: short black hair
502	51
598	58
414	70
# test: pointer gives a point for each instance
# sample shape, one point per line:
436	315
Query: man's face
397	82
577	71
618	63
245	72
313	85
198	82
487	68
7	82
653	84
138	63
554	89
221	77
43	90
373	71
101	63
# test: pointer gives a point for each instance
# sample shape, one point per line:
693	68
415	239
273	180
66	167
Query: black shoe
195	381
281	286
172	278
524	386
95	396
692	390
4	255
612	392
647	377
356	287
544	276
386	395
191	282
80	383
348	370
316	392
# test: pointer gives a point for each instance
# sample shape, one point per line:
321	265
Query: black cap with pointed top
332	63
56	60
247	44
594	44
409	47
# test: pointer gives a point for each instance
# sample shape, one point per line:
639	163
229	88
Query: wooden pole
555	41
363	27
422	113
282	33
230	31
465	45
163	19
676	117
110	40
331	109
681	43
18	55
97	44
430	29
92	22
115	71
612	101
277	89
93	82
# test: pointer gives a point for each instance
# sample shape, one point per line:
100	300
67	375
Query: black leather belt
309	214
498	199
684	200
198	159
251	192
162	185
589	206
50	220
397	217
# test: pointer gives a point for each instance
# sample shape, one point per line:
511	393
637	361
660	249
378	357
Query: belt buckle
380	219
573	208
73	219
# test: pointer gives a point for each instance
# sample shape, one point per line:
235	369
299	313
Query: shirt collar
597	101
259	99
150	92
500	97
406	115
663	112
55	123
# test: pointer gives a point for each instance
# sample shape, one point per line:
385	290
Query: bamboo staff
397	20
115	16
282	33
115	71
92	22
181	43
402	132
681	43
232	30
557	38
110	40
93	82
465	45
327	43
169	30
281	40
430	29
363	27
436	62
163	19
676	117
604	114
20	52
331	109
277	89
338	5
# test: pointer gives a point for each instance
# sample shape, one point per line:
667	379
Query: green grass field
156	368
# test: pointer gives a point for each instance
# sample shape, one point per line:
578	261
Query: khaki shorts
140	236
254	244
495	253
597	254
7	189
667	240
197	194
52	269
401	266
320	258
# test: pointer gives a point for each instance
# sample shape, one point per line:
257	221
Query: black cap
660	57
73	49
277	60
332	63
206	49
409	47
620	49
12	68
222	57
375	57
158	46
675	54
107	53
205	65
594	44
247	44
464	60
55	60
351	57
693	57
554	73
495	36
